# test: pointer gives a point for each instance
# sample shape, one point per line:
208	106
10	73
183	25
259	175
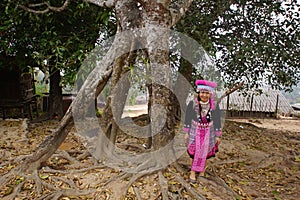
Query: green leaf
44	176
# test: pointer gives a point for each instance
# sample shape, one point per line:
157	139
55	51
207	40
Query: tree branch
231	90
47	9
34	8
177	14
101	3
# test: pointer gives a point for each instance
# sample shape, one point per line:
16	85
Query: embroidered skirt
202	144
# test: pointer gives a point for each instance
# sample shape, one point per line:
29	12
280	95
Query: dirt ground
258	159
282	124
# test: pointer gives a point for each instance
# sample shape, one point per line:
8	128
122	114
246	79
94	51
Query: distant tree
293	96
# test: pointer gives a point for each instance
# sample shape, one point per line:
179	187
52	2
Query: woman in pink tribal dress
202	127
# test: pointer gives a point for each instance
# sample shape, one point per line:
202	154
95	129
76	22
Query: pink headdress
209	86
206	85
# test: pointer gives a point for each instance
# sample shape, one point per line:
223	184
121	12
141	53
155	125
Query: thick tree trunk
55	97
162	121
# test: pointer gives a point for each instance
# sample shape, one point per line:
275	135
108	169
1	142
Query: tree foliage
61	39
257	42
253	41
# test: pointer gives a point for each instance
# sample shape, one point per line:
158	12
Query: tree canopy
257	42
61	39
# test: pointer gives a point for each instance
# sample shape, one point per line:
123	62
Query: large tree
143	29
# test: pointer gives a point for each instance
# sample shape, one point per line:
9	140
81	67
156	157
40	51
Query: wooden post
227	106
251	105
276	108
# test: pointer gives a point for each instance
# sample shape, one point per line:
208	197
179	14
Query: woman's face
204	95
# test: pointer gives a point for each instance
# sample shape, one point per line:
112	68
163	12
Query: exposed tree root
50	183
137	193
67	192
216	179
132	180
122	175
14	161
188	187
16	191
213	178
133	147
53	171
65	180
47	180
163	185
66	155
38	182
84	155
